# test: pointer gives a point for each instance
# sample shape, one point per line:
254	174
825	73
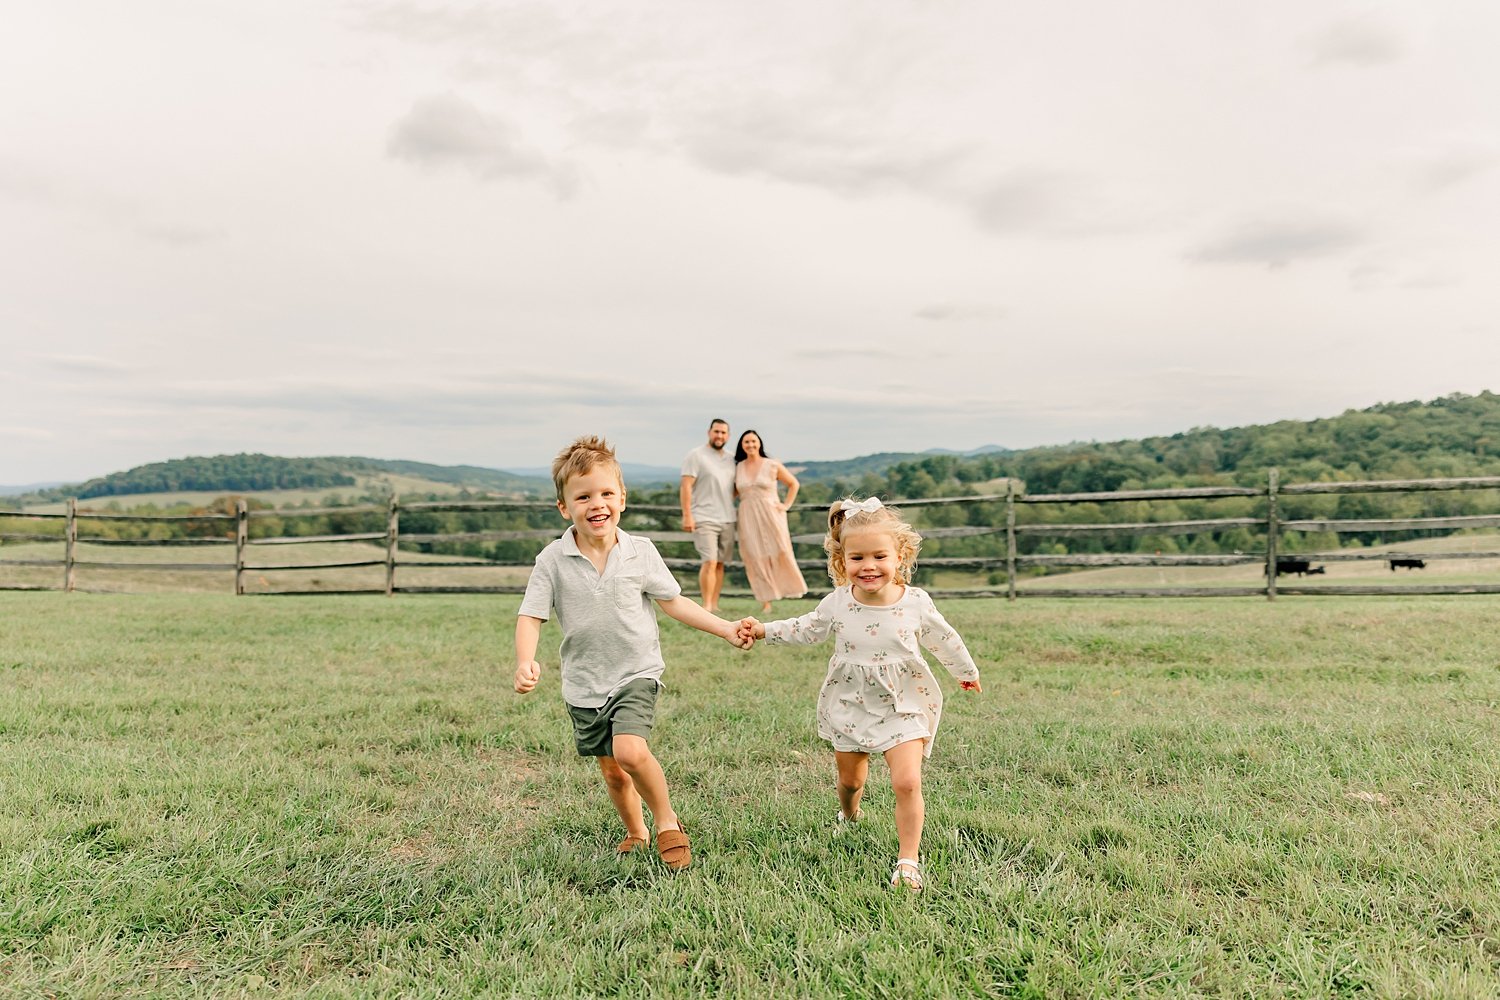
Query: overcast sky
468	232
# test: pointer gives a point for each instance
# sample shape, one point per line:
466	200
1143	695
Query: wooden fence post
1272	529
71	543
241	539
392	532
1010	539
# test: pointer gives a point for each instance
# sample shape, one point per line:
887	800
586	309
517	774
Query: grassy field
214	796
217	574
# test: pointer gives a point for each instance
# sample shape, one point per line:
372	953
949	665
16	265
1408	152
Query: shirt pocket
627	592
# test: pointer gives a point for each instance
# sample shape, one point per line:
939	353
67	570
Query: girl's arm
813	627
784	476
528	671
690	613
944	642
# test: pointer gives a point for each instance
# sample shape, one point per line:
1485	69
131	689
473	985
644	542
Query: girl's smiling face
871	562
751	444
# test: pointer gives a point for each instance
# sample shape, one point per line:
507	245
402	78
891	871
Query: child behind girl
879	696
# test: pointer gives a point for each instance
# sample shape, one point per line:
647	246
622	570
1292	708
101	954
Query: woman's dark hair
739	447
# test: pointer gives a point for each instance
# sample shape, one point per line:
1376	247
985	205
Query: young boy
601	582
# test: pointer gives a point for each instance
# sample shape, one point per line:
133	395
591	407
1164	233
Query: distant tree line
234	473
252	473
1452	436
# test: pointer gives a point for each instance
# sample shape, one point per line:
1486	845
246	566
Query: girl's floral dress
879	691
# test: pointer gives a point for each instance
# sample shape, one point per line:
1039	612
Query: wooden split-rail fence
1269	521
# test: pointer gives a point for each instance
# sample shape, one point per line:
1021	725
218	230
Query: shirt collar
624	543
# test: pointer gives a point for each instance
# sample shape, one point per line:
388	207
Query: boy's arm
690	613
528	634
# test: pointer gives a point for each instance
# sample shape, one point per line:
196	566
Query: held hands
527	674
736	636
749	630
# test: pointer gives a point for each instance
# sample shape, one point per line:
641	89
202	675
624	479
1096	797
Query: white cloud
184	236
951	312
1362	40
85	364
825	146
1279	238
1455	162
448	130
18	432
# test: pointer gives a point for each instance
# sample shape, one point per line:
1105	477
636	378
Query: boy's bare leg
633	756
905	762
626	799
854	769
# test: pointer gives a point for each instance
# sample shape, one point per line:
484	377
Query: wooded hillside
251	473
1455	435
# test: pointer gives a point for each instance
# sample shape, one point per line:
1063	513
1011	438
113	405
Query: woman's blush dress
765	540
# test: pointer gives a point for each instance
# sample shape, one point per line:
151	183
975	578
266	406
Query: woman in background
765	540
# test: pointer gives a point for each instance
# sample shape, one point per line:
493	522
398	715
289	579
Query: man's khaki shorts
714	541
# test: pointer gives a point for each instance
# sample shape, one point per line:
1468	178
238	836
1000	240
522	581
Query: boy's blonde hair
582	457
842	521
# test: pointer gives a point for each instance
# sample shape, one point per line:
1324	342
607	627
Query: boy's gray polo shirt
607	620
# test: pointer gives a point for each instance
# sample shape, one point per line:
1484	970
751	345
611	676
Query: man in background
707	497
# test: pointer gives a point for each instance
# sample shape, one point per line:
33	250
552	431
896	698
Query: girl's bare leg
633	756
854	769
626	799
905	762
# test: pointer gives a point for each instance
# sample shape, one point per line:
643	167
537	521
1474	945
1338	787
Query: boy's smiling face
594	502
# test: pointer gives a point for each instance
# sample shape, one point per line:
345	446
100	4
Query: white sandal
907	873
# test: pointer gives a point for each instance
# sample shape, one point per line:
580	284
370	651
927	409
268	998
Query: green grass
206	795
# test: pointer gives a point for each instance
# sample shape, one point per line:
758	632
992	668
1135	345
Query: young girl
879	696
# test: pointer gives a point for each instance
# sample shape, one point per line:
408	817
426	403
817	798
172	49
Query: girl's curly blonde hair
843	521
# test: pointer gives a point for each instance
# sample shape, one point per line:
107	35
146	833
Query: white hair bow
868	506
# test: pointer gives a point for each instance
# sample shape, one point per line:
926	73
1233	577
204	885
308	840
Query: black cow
1301	567
1407	564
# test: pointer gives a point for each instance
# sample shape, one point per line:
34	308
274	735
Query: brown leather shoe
630	844
674	847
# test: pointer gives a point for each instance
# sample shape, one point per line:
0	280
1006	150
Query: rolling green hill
253	473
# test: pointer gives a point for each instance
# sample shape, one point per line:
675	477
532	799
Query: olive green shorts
630	711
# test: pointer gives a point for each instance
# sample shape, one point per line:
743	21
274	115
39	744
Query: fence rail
1011	561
